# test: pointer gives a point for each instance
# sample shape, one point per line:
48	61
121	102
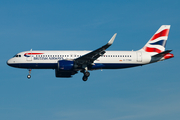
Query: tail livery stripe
161	42
158	41
148	49
163	33
168	55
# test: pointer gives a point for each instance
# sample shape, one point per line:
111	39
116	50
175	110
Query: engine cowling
65	65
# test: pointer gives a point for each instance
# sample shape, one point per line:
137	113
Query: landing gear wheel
28	76
85	78
87	74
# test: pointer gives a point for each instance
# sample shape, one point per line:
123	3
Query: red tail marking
148	49
168	55
165	32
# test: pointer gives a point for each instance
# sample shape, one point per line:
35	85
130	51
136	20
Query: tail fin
157	42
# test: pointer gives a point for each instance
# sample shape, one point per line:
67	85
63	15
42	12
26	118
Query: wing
90	57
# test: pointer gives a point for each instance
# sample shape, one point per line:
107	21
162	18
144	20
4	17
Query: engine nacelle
65	65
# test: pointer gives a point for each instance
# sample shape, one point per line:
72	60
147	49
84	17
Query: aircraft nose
9	62
12	62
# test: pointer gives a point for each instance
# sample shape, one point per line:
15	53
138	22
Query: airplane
68	63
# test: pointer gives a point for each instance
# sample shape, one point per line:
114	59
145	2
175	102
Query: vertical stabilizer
157	42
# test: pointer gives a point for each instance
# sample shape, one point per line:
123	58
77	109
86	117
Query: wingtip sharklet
112	39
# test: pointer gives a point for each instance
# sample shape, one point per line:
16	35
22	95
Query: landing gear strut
29	75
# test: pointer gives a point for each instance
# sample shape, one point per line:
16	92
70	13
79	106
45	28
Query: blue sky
147	92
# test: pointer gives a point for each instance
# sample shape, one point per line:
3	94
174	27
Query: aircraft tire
85	78
28	76
87	74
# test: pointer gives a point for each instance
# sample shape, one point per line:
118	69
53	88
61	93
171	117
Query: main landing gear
29	75
86	74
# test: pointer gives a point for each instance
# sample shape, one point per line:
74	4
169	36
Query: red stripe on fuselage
148	49
33	53
163	33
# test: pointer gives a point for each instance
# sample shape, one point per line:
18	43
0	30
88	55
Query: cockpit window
14	55
17	56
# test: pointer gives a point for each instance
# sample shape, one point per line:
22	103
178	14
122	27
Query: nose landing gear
29	75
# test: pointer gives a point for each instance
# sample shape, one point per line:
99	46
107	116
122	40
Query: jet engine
65	65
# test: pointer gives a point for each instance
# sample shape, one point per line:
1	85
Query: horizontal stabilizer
162	56
162	53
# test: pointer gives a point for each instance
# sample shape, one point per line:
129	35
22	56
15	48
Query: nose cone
10	62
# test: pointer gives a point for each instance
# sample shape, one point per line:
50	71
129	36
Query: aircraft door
139	57
29	58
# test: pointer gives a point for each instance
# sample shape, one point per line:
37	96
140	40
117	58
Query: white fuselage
49	59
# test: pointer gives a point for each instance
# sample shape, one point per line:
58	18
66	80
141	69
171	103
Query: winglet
112	39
